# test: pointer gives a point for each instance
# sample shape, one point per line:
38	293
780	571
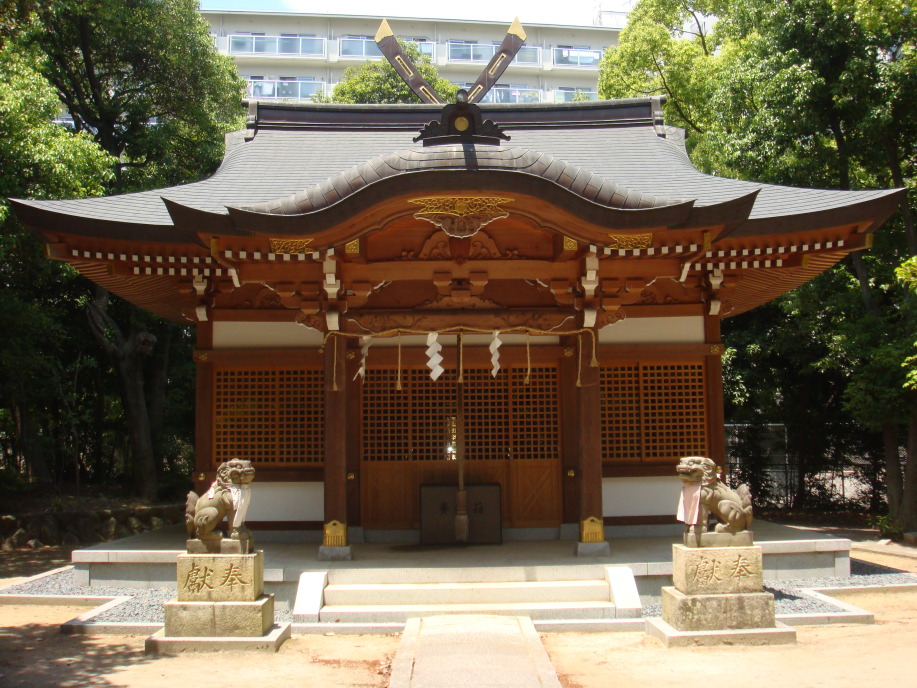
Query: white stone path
472	651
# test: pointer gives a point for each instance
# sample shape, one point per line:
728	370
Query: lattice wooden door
512	438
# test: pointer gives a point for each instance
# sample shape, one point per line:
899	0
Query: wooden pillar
354	440
713	384
334	541
581	386
203	412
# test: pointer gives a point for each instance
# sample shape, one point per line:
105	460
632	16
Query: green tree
144	77
38	159
378	82
808	93
143	80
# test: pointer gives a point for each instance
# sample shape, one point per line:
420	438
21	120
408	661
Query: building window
568	94
576	56
425	46
284	44
358	46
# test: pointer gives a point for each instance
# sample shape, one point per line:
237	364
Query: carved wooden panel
268	415
653	412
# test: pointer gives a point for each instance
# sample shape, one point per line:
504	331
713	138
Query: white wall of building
655	496
553	77
270	335
674	330
287	502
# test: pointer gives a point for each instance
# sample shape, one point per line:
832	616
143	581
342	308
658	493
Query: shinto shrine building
331	261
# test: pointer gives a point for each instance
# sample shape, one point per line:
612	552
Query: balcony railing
427	48
577	57
508	94
565	96
283	89
241	44
358	47
477	52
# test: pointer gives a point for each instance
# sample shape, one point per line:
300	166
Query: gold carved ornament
460	216
291	246
592	530
335	534
630	241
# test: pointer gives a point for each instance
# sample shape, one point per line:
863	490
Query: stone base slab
244	545
160	644
592	549
335	553
779	634
713	570
219	619
220	577
743	539
717	612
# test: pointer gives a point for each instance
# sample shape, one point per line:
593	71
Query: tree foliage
807	93
143	77
150	100
379	83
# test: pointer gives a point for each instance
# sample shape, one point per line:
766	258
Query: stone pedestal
220	597
718	598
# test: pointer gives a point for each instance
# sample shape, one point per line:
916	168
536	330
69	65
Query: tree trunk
30	442
894	481
157	379
129	356
130	370
907	512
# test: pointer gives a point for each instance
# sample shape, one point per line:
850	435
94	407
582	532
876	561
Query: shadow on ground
37	656
30	562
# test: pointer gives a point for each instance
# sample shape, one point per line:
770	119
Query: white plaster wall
256	335
674	330
656	496
287	502
482	340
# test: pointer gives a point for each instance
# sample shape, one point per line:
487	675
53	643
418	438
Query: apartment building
293	57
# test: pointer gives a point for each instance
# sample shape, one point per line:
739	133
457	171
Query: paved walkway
465	651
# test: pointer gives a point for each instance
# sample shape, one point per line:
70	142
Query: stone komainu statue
732	508
228	497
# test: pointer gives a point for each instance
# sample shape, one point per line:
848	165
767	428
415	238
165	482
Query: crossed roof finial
388	44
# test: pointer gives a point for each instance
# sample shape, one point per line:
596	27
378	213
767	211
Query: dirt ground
35	654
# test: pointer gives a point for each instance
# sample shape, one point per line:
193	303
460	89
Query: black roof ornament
461	122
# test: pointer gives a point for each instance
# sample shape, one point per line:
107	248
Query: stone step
465	574
394	613
466	593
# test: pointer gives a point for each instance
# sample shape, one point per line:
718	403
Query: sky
568	12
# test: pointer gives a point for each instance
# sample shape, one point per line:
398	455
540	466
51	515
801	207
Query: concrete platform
148	560
463	651
160	644
780	634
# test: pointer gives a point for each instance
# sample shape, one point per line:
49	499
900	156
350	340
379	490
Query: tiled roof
608	153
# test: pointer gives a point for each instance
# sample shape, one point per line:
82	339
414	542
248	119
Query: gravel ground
789	597
145	605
